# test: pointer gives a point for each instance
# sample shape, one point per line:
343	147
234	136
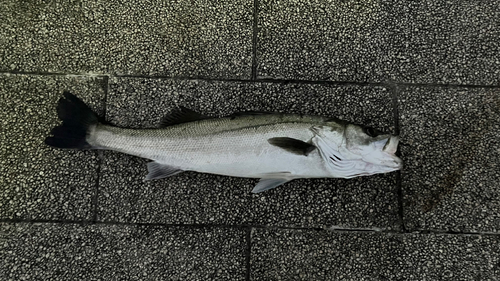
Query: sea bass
276	148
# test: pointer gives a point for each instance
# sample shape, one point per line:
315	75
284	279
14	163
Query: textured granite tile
364	203
201	198
51	36
407	41
451	180
120	252
322	40
140	37
321	255
37	181
187	198
443	41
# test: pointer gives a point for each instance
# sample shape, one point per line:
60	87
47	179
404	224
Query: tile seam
263	80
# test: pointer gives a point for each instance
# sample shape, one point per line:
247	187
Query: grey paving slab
314	255
39	182
407	41
445	42
451	180
368	202
140	37
322	40
99	252
188	198
364	203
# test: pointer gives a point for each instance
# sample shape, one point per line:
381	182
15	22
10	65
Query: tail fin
77	117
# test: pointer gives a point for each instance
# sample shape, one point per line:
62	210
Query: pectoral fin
159	171
292	145
266	184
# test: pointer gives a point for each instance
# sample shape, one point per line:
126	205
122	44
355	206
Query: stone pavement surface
426	70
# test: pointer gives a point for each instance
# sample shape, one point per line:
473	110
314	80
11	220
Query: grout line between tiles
266	80
246	227
255	38
248	253
100	155
397	131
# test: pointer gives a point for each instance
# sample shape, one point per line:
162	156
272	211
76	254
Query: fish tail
78	119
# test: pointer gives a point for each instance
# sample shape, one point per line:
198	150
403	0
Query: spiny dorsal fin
292	145
181	115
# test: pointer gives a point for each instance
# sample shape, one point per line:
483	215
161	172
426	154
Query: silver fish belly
274	147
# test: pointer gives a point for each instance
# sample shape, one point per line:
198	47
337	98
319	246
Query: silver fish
276	148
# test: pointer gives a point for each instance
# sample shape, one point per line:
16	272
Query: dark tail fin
77	117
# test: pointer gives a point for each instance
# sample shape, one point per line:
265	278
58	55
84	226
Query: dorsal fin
181	115
292	145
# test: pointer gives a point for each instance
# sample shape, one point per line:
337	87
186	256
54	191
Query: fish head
373	147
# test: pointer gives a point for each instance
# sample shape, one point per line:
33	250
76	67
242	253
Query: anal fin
159	171
266	184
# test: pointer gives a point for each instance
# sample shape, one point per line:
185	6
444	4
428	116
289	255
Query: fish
273	147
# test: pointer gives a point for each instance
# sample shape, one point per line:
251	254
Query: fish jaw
392	145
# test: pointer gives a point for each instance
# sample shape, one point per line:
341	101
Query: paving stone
449	42
119	252
189	197
140	37
322	40
37	181
321	255
363	203
451	180
377	41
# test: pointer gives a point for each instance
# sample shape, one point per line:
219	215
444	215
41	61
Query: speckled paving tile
140	37
37	181
322	40
449	42
189	197
451	180
120	252
375	41
321	255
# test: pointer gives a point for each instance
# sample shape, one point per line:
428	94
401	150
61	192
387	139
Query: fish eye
371	132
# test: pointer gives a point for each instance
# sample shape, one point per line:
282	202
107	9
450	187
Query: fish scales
233	148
